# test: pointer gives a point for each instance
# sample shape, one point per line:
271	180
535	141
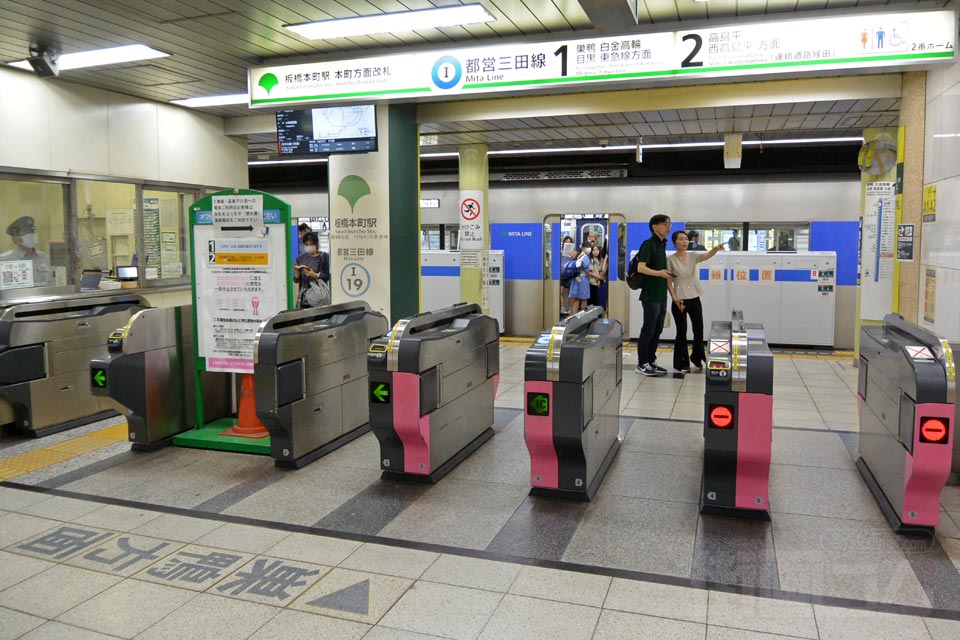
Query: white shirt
686	281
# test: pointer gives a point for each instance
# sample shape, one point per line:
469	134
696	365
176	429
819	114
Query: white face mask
310	249
29	240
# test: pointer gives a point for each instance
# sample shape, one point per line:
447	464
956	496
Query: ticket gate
906	394
433	380
572	383
148	375
45	350
311	379
738	421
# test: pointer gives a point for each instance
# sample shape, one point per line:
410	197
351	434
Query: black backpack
634	279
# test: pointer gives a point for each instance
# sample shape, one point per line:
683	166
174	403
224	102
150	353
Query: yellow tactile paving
41	458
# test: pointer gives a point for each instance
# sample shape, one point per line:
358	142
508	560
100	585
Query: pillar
375	218
912	120
474	223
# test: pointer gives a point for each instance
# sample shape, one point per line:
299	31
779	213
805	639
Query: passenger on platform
312	272
685	291
301	230
695	245
580	287
566	252
652	264
23	234
734	242
596	275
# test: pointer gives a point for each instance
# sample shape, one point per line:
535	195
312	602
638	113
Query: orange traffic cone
248	424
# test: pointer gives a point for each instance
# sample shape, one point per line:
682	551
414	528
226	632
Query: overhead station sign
849	42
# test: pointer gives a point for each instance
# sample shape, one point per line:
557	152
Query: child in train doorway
652	265
580	287
685	291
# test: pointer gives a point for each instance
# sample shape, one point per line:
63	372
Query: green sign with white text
732	51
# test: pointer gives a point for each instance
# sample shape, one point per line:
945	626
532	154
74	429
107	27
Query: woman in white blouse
685	290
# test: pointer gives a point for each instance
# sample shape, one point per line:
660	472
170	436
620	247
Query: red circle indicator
721	416
933	430
469	209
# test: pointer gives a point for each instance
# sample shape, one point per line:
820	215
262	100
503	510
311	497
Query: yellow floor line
47	456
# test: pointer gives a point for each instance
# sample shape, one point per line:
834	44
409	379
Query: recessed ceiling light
100	57
393	22
213	101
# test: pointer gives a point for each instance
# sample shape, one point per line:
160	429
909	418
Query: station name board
759	48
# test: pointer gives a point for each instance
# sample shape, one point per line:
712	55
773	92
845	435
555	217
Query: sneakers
647	370
683	370
650	370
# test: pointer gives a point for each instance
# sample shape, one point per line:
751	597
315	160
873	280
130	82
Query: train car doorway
564	235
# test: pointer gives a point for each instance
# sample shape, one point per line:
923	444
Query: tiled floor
312	586
444	560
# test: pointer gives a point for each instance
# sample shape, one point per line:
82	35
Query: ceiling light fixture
454	16
213	101
100	57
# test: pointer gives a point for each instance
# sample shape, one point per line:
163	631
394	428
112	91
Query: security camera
44	62
603	142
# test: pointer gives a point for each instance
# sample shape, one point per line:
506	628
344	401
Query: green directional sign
98	378
380	392
538	404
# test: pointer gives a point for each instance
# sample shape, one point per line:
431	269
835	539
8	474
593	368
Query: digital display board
303	132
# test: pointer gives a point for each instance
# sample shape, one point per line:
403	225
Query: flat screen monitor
90	280
127	273
303	132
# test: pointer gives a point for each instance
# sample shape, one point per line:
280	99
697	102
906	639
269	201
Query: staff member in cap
23	233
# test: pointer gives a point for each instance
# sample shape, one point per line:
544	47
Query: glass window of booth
165	224
106	225
34	248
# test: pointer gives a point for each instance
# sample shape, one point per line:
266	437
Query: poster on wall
120	222
929	211
905	242
151	237
878	250
930	297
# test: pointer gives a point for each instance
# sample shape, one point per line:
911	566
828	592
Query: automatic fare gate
433	380
572	382
45	351
310	370
148	371
906	395
738	421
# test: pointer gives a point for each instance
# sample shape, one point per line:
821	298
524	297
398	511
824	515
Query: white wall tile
134	140
950	124
934	83
951	76
79	129
932	143
24	121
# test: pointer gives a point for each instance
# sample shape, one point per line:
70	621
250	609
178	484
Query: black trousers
682	359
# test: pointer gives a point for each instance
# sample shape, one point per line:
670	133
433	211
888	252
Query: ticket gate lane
310	370
738	421
433	380
45	351
907	404
572	384
148	373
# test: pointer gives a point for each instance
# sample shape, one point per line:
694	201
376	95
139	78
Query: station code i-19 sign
766	48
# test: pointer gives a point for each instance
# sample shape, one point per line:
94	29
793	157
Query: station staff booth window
760	236
33	247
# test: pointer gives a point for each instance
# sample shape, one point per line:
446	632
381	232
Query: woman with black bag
312	272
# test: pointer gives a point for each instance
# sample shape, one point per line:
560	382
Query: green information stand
241	249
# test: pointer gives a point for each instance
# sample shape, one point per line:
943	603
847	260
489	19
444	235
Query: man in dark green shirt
652	263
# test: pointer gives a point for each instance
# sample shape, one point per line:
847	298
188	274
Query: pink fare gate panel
538	435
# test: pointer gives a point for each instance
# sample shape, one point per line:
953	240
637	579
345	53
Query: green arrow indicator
100	377
538	404
380	392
